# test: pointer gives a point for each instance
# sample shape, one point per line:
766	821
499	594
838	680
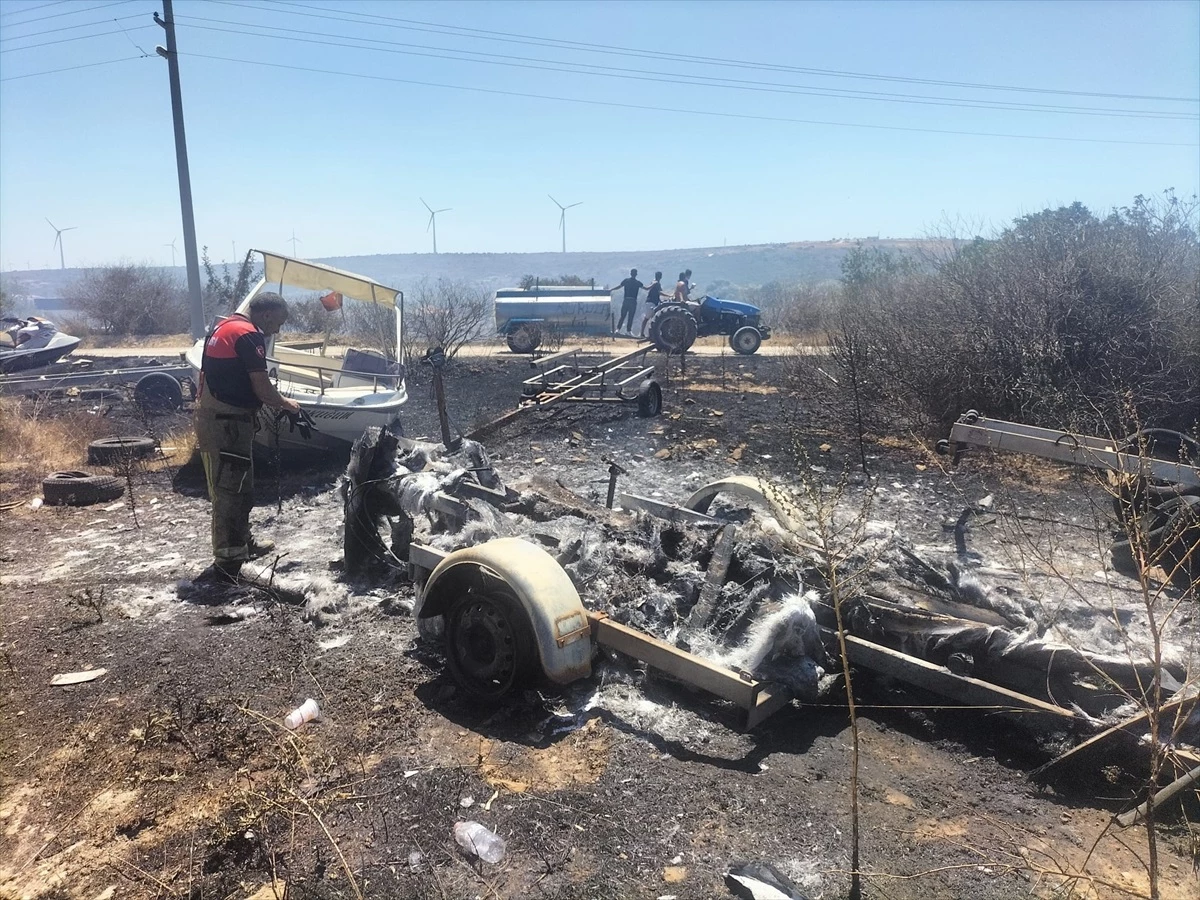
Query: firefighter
233	386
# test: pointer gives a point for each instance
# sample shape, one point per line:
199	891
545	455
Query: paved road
616	345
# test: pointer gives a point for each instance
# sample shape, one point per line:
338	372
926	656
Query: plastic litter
761	881
479	841
305	712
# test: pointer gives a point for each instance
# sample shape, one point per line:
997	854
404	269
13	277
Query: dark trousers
225	435
628	309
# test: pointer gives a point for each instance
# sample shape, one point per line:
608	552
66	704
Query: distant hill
746	265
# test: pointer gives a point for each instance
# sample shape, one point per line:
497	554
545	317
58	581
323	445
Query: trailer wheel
649	399
489	642
524	339
80	488
158	392
746	340
107	451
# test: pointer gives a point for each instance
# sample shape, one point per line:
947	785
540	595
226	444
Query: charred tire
1180	555
80	488
108	451
524	339
490	647
1133	494
649	399
158	392
746	340
673	328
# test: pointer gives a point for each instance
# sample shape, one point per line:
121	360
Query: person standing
653	298
233	386
629	306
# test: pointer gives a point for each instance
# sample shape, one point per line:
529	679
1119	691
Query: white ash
784	646
323	598
627	703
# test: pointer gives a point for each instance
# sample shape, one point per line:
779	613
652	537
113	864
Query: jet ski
31	344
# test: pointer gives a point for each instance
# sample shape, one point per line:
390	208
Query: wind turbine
294	241
432	226
58	241
172	246
562	219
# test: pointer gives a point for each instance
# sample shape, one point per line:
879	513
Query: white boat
48	346
342	394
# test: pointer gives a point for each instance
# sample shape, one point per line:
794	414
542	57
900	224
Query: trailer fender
549	599
755	489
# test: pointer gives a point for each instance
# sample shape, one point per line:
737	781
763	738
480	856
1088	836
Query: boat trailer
1154	478
156	386
563	377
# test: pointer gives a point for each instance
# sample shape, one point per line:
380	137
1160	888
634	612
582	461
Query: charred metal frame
972	429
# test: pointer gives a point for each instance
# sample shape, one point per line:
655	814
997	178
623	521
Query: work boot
225	573
258	549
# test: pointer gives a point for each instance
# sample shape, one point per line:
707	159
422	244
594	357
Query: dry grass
34	442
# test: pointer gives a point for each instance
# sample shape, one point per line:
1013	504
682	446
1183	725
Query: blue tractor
674	327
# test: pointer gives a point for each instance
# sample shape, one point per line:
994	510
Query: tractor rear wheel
672	328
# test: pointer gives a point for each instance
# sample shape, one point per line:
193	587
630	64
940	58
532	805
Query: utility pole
191	257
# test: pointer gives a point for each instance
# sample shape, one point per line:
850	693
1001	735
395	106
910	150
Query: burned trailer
1153	477
528	585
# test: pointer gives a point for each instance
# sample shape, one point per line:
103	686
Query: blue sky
343	160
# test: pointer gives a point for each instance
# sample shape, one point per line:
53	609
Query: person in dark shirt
233	386
653	298
629	307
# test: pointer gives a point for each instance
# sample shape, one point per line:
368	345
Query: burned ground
170	775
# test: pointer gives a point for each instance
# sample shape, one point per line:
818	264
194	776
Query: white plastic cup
305	712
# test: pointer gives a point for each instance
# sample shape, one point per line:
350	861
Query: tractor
673	327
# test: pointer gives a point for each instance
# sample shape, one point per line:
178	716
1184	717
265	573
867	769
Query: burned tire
1133	495
115	450
746	340
80	488
649	399
158	392
1180	553
672	328
525	339
490	648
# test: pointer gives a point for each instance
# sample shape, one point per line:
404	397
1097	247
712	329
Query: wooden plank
691	669
1178	710
714	579
936	679
1135	815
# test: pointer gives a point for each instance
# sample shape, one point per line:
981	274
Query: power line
29	9
73	12
81	37
551	65
107	62
694	112
509	37
20	37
